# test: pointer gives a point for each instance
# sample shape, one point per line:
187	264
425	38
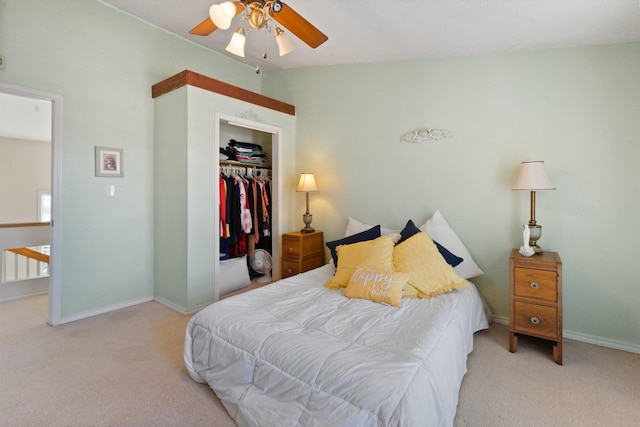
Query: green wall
577	109
103	62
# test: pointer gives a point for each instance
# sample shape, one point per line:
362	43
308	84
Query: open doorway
268	138
30	119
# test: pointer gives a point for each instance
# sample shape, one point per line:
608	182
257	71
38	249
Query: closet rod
237	163
228	170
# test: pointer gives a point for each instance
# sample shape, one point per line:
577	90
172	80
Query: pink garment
223	208
245	213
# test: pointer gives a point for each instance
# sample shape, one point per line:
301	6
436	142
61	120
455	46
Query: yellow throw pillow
376	253
375	285
430	275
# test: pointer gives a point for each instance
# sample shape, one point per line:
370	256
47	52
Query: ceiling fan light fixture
222	14
284	43
236	45
259	15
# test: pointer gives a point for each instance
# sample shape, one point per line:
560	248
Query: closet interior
245	194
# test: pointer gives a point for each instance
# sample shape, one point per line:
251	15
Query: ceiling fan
259	14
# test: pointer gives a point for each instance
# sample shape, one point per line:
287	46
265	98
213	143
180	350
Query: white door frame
55	273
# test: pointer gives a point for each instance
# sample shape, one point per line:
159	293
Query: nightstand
301	252
535	299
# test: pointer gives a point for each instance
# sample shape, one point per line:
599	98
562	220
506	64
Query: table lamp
307	184
533	177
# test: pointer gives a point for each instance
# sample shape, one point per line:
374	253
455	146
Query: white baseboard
501	320
590	339
130	303
603	342
26	295
104	310
169	304
179	308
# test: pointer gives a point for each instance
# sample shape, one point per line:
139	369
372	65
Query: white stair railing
25	263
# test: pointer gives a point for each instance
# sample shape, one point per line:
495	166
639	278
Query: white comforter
295	353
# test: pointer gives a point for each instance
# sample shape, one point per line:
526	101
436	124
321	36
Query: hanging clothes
245	209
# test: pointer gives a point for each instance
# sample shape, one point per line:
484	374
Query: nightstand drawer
291	248
312	261
295	245
538	284
289	268
536	320
293	267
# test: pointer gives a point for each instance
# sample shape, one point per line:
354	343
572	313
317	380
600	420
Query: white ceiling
390	30
25	118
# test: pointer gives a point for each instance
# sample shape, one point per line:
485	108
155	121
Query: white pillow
233	275
354	226
440	230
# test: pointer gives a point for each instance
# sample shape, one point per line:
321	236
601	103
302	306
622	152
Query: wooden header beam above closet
187	77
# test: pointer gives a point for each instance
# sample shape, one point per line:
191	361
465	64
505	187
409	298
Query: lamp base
306	218
537	249
535	234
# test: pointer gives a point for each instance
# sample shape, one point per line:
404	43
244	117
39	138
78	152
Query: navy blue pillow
451	259
410	229
370	234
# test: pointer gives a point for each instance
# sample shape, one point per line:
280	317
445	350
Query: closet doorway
270	138
13	236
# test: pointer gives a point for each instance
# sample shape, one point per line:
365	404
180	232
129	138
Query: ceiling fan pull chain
257	57
264	42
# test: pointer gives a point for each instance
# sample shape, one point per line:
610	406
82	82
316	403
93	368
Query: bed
377	337
296	353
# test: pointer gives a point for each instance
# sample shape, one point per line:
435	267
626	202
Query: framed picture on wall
109	162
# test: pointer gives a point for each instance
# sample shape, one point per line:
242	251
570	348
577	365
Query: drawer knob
534	285
290	250
535	320
289	270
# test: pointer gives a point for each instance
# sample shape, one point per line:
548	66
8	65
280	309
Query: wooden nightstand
535	299
301	252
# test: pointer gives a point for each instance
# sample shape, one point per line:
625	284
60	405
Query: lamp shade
236	45
222	14
284	43
533	177
307	183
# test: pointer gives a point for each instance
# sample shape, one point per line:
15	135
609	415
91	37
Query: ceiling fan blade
299	26
204	28
207	26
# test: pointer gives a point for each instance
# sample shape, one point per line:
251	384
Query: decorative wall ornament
250	115
422	135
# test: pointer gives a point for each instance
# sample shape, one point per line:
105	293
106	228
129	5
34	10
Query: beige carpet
595	386
125	369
